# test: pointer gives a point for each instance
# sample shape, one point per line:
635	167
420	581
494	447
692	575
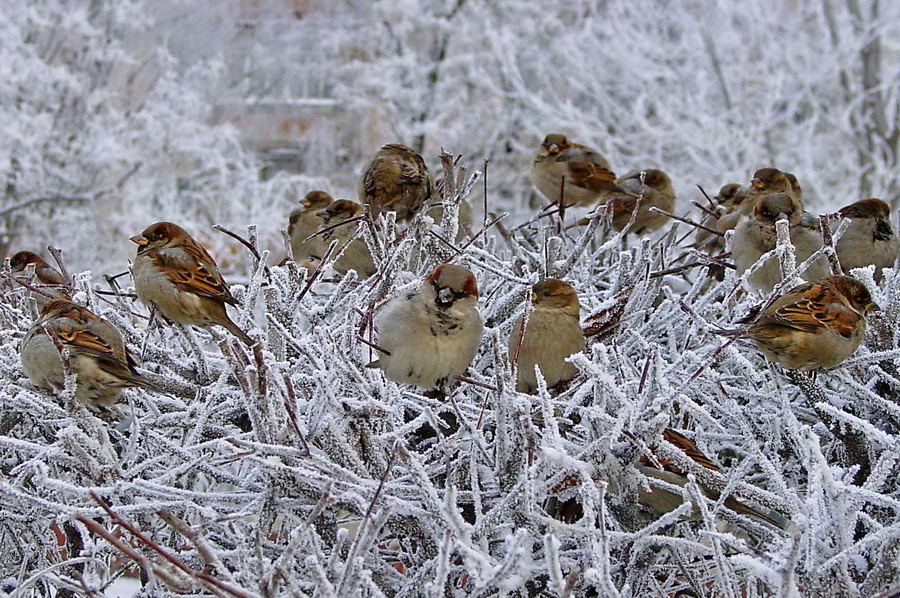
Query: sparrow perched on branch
356	255
431	335
397	180
660	499
46	277
755	235
552	334
580	173
96	354
175	274
869	239
656	191
663	501
304	222
814	325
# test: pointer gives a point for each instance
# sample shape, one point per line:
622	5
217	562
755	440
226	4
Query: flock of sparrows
429	337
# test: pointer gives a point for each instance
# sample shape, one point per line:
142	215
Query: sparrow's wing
588	169
193	270
687	446
810	308
623	205
49	275
293	218
86	334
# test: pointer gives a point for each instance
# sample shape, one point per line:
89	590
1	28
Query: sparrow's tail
235	330
728	332
769	516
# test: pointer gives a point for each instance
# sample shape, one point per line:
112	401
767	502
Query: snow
295	470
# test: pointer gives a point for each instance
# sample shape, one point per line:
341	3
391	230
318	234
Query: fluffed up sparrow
397	180
664	501
303	222
580	173
96	354
656	191
869	239
356	255
814	325
432	334
176	275
553	333
755	235
46	277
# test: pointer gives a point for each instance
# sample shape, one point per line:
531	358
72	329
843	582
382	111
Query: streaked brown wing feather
687	446
83	340
591	176
811	311
198	275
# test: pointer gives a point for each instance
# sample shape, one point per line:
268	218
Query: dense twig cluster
292	469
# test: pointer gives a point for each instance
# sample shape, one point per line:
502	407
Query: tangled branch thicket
292	469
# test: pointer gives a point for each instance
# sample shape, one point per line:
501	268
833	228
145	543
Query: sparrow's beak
140	240
782	216
534	297
756	183
324	215
554	148
873	307
445	296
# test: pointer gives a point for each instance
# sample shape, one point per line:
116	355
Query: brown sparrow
304	222
96	352
356	255
397	180
175	274
582	174
432	334
755	235
664	501
869	239
657	192
46	277
553	333
814	325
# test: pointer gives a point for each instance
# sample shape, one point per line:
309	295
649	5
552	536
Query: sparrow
96	351
814	325
726	201
356	255
553	333
869	239
431	335
765	182
730	193
582	174
303	222
175	274
755	235
46	277
465	217
664	501
397	180
655	191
